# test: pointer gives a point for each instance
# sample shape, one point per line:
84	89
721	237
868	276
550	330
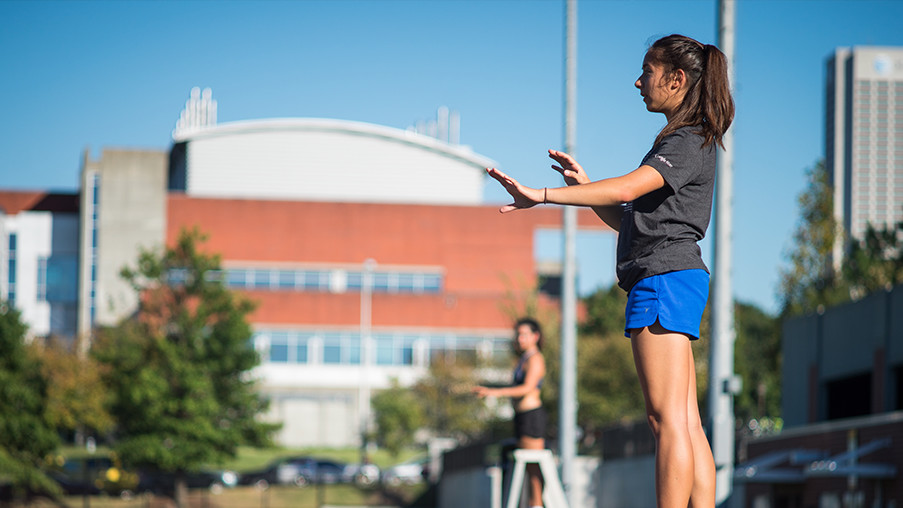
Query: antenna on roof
446	127
199	112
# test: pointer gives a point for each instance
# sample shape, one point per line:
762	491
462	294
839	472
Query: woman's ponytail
718	106
707	103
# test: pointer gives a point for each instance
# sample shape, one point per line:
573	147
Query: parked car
94	475
407	473
303	471
164	482
362	474
286	471
323	471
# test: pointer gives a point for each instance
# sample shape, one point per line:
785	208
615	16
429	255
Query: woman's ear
678	79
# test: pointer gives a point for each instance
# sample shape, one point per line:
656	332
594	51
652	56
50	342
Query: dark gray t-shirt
659	231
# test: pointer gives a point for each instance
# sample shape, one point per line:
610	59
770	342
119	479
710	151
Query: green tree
876	261
26	433
604	312
178	369
449	407
398	415
810	280
77	398
757	360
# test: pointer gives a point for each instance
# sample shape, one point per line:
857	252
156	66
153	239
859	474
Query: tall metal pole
722	382
366	352
568	394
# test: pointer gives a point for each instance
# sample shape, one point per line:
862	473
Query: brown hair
534	327
708	101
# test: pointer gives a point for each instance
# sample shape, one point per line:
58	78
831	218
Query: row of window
386	349
331	280
95	201
11	270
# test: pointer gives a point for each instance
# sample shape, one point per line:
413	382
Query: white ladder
552	492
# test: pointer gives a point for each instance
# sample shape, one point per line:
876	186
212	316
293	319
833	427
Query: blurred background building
864	138
367	248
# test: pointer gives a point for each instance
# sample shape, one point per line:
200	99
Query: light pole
723	384
568	398
366	349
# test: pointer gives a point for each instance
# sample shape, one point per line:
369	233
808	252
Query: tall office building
864	138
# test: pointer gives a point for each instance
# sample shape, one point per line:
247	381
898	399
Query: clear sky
88	74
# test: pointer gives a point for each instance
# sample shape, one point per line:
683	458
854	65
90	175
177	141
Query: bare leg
533	473
662	359
703	494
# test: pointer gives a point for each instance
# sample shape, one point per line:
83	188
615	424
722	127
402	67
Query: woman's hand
481	391
524	197
572	172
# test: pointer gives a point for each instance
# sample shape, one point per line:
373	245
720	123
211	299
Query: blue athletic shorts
675	299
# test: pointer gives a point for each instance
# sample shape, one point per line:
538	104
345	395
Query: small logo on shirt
666	161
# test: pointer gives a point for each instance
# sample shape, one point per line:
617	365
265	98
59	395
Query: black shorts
531	423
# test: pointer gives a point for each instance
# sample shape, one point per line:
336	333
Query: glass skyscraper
864	138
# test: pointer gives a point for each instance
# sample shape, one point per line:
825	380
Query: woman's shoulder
537	358
685	132
687	138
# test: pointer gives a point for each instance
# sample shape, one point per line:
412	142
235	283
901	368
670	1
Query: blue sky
84	74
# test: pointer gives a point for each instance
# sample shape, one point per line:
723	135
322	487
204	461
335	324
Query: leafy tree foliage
77	398
757	353
871	263
398	416
810	280
604	312
179	369
449	407
27	435
876	261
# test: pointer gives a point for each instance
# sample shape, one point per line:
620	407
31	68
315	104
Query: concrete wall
626	483
131	209
468	487
474	486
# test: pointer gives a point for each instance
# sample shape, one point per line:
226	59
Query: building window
334	280
286	347
93	228
11	270
42	279
389	349
849	397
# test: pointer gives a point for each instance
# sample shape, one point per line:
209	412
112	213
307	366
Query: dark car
286	471
300	471
160	482
94	475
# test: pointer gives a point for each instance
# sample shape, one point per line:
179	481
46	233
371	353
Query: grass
248	459
251	497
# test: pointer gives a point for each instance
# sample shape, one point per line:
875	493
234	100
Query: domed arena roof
321	160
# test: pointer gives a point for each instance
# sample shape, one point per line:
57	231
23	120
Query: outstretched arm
608	192
574	174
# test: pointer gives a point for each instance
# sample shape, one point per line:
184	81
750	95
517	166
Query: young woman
661	210
529	415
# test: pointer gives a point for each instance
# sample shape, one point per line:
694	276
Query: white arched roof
328	160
